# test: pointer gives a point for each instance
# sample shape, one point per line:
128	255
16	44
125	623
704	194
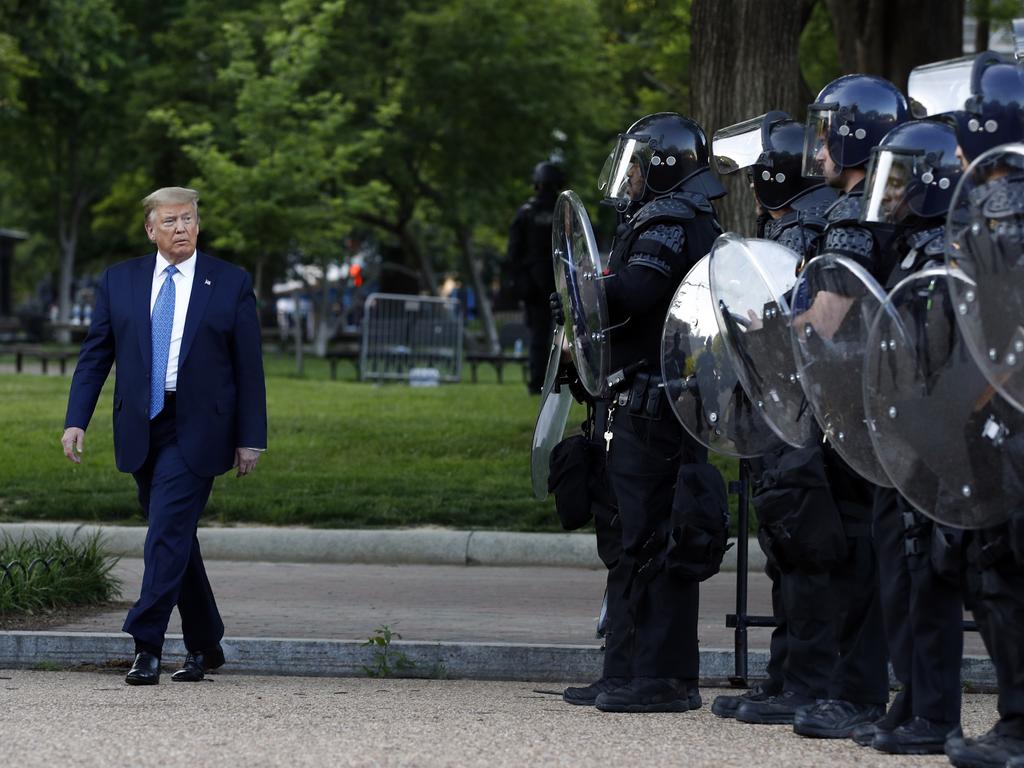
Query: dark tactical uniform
919	564
803	645
860	674
994	587
652	253
529	254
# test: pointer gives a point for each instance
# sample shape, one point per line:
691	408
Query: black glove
557	315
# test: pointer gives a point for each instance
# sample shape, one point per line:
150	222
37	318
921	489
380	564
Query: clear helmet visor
889	178
738	146
624	175
819	120
944	86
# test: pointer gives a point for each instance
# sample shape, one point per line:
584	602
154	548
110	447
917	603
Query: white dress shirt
182	292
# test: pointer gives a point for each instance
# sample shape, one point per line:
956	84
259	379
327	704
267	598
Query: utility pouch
801	526
569	481
654	399
638	393
700	523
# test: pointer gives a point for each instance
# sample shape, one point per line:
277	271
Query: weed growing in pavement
386	660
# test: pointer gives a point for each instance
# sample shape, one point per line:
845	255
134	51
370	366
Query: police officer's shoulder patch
797	238
845	210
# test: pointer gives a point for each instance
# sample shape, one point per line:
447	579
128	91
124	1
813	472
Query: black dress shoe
834	718
587	695
726	706
775	710
145	670
650	694
198	664
917	736
990	751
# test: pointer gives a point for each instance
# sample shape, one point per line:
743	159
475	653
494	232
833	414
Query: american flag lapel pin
208	282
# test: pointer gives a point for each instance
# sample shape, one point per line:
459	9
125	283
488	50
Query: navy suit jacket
221	401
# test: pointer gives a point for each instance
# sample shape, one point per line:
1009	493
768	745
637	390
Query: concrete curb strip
415	546
350	658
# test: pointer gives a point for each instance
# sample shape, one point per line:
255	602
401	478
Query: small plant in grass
386	660
43	573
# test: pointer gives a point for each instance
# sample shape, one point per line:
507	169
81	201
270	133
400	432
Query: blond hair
169	196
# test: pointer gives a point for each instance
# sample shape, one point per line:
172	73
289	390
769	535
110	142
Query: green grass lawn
342	454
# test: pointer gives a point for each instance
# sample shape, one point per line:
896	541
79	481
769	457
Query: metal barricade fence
402	332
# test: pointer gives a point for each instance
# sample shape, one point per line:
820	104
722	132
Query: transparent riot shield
751	283
835	301
551	420
578	280
949	442
985	240
704	390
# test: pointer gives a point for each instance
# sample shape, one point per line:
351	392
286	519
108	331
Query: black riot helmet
849	117
983	93
659	154
913	173
548	176
771	147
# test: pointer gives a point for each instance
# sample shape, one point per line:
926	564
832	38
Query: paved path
429	602
235	720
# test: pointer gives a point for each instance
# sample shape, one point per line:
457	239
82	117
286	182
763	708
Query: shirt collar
186	267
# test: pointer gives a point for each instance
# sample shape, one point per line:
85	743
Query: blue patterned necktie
162	321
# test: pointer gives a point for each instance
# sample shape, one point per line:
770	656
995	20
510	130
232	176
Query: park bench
44	355
508	335
348	352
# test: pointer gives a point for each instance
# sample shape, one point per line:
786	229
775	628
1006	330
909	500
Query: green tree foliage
64	136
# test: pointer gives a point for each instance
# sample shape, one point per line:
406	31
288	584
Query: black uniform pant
803	648
538	320
643	464
995	592
922	612
861	672
617	625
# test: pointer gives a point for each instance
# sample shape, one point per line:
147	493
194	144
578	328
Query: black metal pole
740	639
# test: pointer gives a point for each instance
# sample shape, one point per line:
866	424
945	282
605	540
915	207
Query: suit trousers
643	465
923	615
996	595
172	499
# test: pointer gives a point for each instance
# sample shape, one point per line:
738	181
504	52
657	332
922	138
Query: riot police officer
991	115
790	210
911	179
849	117
529	257
659	180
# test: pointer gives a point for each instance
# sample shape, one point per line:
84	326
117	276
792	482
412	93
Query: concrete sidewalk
484	623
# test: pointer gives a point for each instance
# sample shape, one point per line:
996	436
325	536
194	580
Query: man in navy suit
189	404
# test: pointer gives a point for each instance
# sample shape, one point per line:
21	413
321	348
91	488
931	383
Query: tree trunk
981	32
744	62
412	246
483	301
879	37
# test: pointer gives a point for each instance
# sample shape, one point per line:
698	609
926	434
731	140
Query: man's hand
72	440
245	460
